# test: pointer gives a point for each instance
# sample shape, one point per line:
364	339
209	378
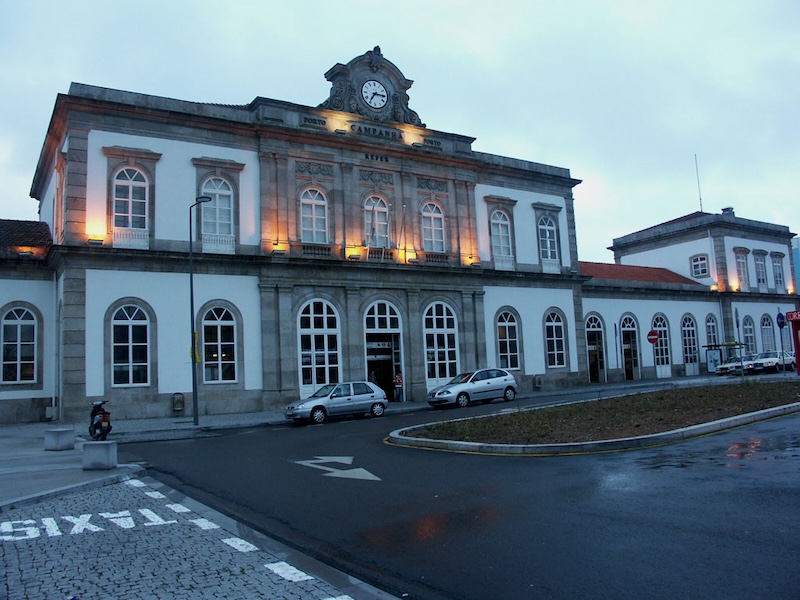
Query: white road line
288	572
178	508
204	523
240	545
136	483
156	495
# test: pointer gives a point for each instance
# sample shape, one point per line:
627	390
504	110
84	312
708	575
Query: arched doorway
595	345
630	348
383	344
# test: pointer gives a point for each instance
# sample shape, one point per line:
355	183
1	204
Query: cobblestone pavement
141	539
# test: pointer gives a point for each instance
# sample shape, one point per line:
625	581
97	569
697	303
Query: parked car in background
476	386
772	362
735	365
356	398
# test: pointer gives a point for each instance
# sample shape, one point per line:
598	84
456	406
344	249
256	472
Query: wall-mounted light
95	241
477	263
278	252
413	261
341	131
354	257
416	145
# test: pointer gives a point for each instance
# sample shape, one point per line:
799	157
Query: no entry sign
652	336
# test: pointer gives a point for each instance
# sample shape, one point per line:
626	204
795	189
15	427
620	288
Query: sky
660	107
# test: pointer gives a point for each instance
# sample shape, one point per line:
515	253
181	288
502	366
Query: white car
773	362
735	365
482	385
348	398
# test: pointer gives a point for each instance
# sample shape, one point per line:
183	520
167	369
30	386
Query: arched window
661	347
376	222
767	334
689	341
219	346
320	362
749	335
130	339
18	335
130	199
432	228
218	230
548	245
712	331
314	217
507	341
441	344
555	340
384	348
502	252
629	343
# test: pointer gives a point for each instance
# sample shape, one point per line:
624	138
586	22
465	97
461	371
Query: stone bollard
99	455
59	439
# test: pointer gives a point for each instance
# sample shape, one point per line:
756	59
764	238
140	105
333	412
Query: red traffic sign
652	336
793	315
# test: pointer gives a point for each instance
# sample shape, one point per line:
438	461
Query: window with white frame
508	341
130	199
500	231
777	271
661	347
219	346
699	266
441	344
548	240
749	335
689	340
767	334
433	228
760	259
18	330
314	217
376	222
218	228
318	330
742	271
130	346
555	340
712	330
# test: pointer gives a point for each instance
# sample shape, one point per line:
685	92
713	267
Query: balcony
218	243
128	237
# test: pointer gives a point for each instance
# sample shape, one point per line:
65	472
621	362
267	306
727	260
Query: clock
374	94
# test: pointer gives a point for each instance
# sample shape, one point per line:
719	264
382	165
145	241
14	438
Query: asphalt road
715	517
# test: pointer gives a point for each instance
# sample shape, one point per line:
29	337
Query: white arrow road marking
357	473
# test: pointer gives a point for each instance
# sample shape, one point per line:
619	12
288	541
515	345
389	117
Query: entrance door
630	349
383	345
594	349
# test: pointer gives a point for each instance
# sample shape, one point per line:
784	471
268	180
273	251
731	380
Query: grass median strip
628	416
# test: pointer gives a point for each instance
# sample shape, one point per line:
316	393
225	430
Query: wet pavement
69	532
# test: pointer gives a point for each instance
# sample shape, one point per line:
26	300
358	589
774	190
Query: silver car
348	398
476	386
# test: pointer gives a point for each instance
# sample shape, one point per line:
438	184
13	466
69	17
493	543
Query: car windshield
461	378
768	355
323	391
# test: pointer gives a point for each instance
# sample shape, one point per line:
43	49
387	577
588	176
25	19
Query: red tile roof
632	273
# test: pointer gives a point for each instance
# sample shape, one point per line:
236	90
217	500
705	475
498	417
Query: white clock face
374	94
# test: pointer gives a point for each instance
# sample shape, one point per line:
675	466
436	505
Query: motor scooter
99	421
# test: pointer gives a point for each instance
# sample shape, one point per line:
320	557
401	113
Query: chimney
728	210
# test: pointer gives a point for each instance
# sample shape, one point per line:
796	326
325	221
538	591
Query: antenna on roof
697	172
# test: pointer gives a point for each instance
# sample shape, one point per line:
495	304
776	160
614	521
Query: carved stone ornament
314	169
370	69
434	185
376	177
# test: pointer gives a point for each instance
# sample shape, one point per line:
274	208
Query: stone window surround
229	170
119	158
543	209
152	348
238	324
505	205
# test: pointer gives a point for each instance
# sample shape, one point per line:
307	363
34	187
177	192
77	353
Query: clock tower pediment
373	87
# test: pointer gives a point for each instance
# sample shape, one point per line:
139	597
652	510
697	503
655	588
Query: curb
398	437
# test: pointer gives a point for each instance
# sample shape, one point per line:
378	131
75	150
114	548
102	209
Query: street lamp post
195	416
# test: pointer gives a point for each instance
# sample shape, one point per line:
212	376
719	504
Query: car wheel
318	414
462	400
509	394
376	410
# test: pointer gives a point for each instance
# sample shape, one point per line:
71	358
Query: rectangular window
700	266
